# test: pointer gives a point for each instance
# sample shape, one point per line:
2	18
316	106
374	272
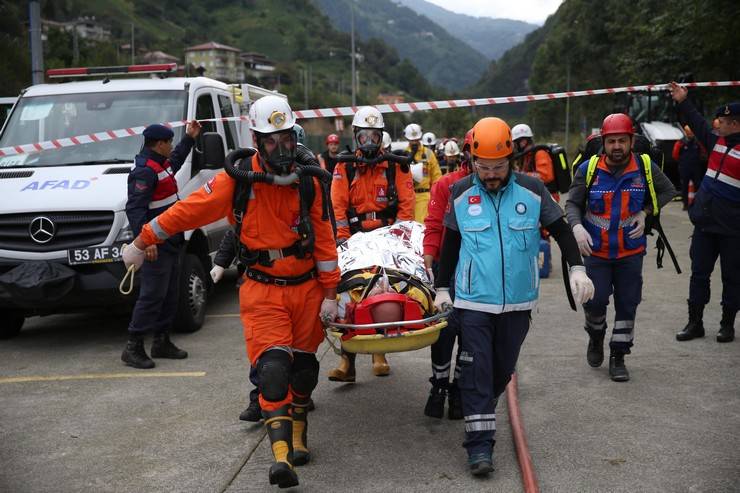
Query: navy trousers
490	347
705	248
623	278
442	351
156	306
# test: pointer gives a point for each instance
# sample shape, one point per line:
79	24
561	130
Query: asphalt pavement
73	418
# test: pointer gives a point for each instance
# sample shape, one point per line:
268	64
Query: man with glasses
491	246
152	189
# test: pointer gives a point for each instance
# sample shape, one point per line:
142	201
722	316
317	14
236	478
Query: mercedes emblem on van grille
42	230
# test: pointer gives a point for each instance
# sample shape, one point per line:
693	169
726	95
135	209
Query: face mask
281	153
368	141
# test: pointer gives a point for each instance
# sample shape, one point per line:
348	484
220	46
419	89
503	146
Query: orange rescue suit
369	193
272	316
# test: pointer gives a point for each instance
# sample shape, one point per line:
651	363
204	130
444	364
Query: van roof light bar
154	68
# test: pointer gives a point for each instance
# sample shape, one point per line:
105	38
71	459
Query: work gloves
217	273
329	311
580	285
442	300
132	255
584	239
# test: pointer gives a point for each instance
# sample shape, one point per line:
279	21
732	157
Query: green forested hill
443	59
489	36
292	32
609	43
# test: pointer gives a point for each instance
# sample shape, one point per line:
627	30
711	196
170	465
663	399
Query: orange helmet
491	139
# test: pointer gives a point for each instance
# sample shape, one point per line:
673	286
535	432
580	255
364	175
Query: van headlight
125	235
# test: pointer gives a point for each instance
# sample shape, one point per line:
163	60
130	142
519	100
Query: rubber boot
279	426
595	350
435	406
253	412
381	368
135	355
617	371
162	347
695	327
727	326
454	402
345	372
301	455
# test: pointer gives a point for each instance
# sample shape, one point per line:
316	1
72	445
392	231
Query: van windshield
42	118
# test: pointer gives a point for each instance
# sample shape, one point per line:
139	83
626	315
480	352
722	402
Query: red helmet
468	141
332	139
617	123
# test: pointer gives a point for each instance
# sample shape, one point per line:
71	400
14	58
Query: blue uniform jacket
142	181
497	270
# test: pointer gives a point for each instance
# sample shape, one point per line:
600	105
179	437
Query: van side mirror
213	150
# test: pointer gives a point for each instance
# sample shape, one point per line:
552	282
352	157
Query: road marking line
101	376
224	315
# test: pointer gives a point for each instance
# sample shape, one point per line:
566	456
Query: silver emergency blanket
399	247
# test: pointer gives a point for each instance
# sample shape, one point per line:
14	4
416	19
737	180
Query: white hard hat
521	130
412	131
417	172
271	114
451	148
428	139
368	117
386	140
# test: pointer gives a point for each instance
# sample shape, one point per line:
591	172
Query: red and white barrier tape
349	111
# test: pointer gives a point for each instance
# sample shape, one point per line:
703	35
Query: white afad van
62	211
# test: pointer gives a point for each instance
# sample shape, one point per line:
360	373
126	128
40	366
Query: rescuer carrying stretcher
285	239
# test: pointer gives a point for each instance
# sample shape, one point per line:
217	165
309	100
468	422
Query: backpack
559	158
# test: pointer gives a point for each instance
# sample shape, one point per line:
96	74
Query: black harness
388	214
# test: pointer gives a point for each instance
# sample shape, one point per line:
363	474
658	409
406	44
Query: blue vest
497	269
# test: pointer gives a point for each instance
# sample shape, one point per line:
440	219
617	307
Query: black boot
595	350
695	327
617	371
252	413
135	354
279	426
454	403
435	407
162	347
301	455
727	326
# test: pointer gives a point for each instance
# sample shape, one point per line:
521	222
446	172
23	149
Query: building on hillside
85	28
391	98
257	65
216	60
158	57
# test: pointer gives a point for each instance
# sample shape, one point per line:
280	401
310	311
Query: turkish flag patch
474	199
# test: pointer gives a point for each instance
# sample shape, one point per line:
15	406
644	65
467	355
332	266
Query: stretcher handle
383	325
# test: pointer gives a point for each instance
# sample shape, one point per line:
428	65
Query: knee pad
273	370
305	373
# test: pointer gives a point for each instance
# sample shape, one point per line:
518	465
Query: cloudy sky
534	11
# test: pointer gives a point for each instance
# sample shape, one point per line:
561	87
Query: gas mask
368	141
277	150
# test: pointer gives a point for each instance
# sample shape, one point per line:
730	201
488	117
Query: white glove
217	273
329	310
638	223
442	300
132	255
584	239
580	284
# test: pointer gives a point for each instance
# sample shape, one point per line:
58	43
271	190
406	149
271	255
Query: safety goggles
367	136
488	169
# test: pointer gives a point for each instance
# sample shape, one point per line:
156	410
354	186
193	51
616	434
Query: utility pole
133	56
567	104
352	20
37	51
75	46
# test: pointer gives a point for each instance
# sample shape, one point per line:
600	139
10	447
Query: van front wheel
193	295
11	322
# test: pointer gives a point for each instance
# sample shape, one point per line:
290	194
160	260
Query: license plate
95	255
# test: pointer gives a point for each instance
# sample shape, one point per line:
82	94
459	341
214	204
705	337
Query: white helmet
412	131
451	149
428	139
386	140
270	114
521	130
368	117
